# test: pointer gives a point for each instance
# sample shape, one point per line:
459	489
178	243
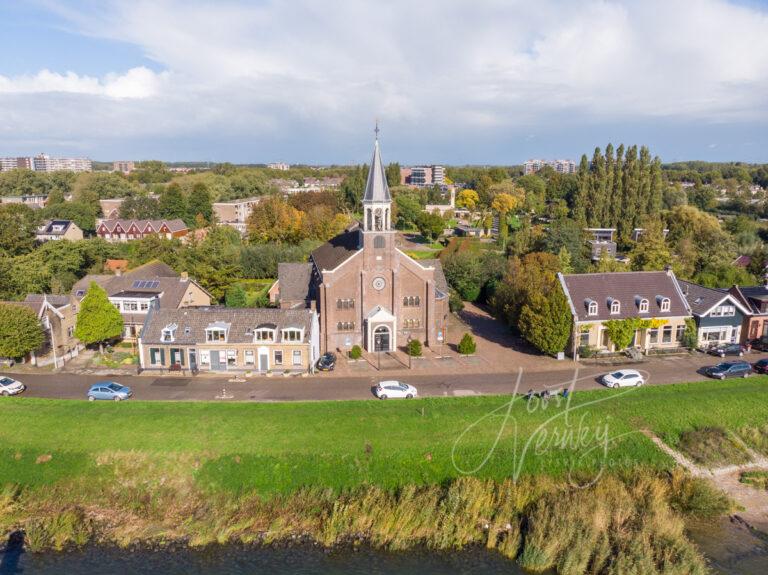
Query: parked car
727	349
7	362
623	378
326	362
10	386
109	390
760	344
729	369
760	366
392	389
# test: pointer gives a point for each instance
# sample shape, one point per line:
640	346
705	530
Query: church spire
376	188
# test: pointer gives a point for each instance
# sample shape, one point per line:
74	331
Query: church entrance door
381	338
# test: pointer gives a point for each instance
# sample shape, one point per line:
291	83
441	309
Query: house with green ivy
615	311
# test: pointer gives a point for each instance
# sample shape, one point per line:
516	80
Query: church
366	290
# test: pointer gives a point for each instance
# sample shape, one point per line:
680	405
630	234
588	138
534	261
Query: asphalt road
329	387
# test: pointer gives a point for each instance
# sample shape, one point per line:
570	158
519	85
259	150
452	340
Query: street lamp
377	346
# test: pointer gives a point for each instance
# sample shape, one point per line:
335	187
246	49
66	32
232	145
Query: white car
390	389
10	386
623	378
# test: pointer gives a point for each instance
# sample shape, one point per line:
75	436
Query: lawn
280	447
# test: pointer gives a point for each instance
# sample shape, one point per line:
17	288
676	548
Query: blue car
109	390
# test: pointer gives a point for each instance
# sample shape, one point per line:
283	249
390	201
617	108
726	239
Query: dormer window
615	306
216	332
642	305
591	307
169	333
664	303
264	334
292	334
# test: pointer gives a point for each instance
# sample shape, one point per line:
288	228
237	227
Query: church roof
376	188
337	250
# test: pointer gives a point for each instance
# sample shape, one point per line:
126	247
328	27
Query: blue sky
475	82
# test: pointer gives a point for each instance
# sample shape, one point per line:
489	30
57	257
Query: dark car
760	344
760	366
729	369
326	362
727	349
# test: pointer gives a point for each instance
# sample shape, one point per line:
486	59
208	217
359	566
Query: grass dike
441	473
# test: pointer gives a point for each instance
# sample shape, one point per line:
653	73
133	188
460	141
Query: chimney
668	269
118	271
184	277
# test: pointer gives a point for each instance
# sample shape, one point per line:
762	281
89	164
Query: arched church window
368	218
378	242
377	219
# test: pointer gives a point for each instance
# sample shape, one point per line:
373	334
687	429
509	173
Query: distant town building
235	213
110	207
119	231
33	201
52	230
44	163
601	242
560	166
287	186
126	167
283	167
422	176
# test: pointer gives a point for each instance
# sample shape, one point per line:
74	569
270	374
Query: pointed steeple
376	188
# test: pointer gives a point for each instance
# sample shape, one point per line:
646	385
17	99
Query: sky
449	81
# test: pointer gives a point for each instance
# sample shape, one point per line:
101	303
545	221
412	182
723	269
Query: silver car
10	386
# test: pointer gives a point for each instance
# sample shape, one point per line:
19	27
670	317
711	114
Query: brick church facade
366	290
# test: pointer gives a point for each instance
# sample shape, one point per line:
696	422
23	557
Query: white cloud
138	82
443	66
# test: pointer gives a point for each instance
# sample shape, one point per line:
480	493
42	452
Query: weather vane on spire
376	129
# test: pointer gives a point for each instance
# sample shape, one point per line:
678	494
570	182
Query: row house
755	299
720	316
153	285
128	230
596	298
221	339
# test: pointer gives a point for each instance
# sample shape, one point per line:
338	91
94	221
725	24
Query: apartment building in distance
45	163
422	176
235	213
280	166
8	164
560	166
123	166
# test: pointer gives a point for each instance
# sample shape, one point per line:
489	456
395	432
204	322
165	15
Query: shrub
455	303
356	352
757	479
467	345
414	348
712	446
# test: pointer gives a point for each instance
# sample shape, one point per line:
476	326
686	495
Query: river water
730	548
